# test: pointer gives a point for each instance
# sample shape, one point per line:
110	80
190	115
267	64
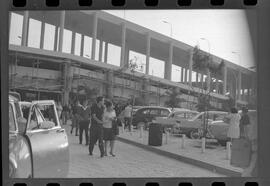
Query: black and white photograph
132	93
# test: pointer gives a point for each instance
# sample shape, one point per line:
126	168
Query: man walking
127	116
96	128
84	113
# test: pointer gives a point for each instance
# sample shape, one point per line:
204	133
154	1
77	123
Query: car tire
222	142
194	134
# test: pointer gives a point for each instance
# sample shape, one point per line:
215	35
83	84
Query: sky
226	32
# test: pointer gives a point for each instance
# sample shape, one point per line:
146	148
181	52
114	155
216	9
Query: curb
184	159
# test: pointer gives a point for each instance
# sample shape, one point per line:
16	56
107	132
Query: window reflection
34	33
49	34
15	33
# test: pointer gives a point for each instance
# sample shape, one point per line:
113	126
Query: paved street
130	161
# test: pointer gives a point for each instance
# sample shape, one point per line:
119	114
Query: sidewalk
214	157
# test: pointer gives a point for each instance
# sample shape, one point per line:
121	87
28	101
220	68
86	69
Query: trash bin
155	134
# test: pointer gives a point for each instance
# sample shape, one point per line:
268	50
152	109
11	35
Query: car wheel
194	134
222	142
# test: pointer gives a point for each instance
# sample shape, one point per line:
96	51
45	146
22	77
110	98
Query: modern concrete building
55	52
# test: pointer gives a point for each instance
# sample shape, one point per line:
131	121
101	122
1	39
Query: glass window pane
139	59
78	39
67	41
49	34
11	119
16	26
114	54
156	67
34	33
87	48
176	73
97	50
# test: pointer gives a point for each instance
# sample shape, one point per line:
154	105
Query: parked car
147	114
38	146
219	128
193	127
174	119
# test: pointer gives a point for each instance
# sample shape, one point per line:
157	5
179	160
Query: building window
34	33
139	59
49	34
156	67
67	38
15	30
87	47
77	47
176	73
97	50
114	54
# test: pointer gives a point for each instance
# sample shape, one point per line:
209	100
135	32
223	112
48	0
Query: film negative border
130	4
263	69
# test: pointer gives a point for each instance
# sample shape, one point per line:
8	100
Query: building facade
54	53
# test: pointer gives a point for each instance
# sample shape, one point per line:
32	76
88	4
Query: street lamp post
171	34
238	96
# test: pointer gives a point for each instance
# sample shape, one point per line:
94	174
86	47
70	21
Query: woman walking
234	121
108	132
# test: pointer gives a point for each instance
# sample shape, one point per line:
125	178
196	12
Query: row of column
124	51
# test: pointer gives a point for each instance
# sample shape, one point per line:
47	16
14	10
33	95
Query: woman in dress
234	121
108	132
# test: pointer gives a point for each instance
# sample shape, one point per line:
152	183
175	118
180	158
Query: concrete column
61	32
100	50
145	88
56	39
68	76
123	45
225	79
42	35
182	74
190	62
82	46
197	77
208	80
239	85
25	28
202	83
217	86
106	53
110	83
186	80
73	43
148	48
126	55
168	64
94	36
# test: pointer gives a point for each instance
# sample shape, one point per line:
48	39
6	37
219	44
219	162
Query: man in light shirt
127	116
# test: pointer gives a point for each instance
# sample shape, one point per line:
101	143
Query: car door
48	141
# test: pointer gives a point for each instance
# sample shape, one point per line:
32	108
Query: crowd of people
97	121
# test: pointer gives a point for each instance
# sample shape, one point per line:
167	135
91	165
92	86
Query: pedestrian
75	117
127	116
96	128
84	112
109	118
244	122
65	114
59	109
234	121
